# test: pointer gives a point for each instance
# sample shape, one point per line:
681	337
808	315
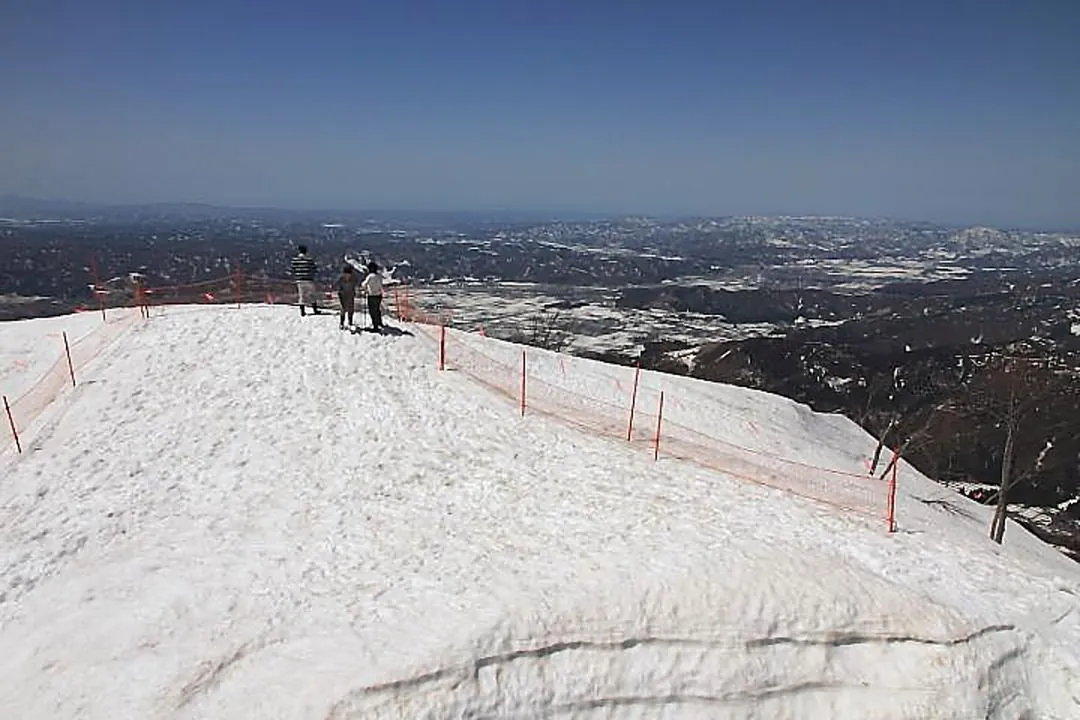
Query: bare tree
921	435
882	442
879	386
1009	393
911	422
545	329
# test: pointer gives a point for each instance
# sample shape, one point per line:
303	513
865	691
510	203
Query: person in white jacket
373	287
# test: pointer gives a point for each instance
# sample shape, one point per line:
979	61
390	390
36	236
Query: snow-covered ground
244	513
29	349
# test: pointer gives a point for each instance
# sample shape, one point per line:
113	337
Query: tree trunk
997	527
897	452
881	445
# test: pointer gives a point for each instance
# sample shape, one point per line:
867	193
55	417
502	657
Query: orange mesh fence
582	411
236	288
534	381
242	288
272	291
205	290
26	409
546	383
22	413
855	492
405	308
498	375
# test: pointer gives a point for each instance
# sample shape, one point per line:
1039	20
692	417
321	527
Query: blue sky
955	110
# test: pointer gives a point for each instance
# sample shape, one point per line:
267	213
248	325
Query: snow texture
246	513
29	349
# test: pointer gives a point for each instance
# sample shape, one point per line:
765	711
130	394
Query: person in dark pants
346	290
303	270
373	288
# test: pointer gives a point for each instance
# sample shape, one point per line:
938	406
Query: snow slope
243	513
29	348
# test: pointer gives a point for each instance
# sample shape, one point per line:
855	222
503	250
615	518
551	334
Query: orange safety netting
242	288
27	408
602	406
589	401
405	309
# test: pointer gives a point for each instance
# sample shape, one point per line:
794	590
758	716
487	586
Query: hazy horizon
528	214
959	113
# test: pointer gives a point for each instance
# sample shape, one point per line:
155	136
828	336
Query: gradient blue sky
952	110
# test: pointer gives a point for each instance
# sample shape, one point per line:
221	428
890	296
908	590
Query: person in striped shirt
303	270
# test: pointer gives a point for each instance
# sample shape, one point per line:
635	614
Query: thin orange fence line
820	486
690	431
45	390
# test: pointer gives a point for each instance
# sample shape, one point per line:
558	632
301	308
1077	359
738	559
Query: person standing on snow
372	287
303	270
346	290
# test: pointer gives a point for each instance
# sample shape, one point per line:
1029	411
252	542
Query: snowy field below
246	513
589	316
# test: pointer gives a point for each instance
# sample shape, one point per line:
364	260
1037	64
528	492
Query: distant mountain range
23	208
18	207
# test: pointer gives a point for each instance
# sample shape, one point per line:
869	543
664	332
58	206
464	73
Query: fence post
11	422
659	420
522	383
442	347
97	283
238	286
892	492
67	351
633	402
